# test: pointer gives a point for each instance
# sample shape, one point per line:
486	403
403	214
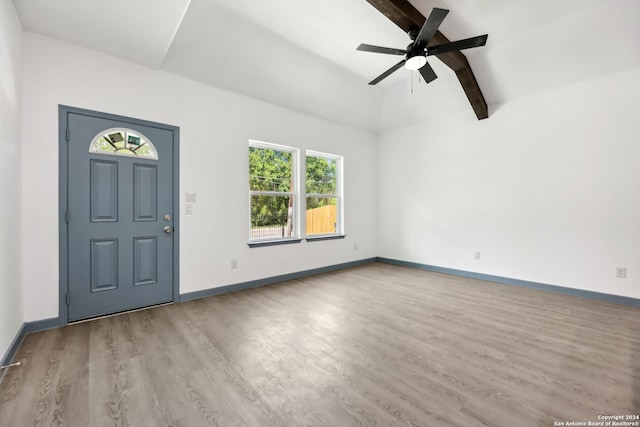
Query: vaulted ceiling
301	54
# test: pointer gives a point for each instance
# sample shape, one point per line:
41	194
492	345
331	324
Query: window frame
339	160
293	192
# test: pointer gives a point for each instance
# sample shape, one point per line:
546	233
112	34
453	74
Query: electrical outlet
476	255
621	272
234	264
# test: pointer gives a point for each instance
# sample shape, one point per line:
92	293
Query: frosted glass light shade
415	62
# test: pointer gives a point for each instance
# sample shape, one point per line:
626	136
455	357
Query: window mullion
324	195
271	193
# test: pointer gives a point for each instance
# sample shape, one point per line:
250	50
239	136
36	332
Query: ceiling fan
416	52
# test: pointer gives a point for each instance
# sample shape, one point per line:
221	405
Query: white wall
215	128
546	188
11	316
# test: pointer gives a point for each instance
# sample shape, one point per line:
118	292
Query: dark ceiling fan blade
387	73
427	73
379	49
459	45
431	25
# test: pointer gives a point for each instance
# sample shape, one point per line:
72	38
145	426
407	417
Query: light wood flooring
376	345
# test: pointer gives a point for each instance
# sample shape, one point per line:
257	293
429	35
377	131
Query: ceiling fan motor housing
416	57
415	50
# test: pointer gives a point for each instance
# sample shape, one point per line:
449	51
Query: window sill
273	242
325	237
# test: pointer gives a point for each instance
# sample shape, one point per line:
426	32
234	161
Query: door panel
145	191
145	262
104	191
119	256
104	265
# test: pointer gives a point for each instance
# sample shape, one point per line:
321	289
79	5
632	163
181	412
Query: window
272	190
323	194
123	142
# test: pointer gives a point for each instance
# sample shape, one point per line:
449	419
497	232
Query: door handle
168	229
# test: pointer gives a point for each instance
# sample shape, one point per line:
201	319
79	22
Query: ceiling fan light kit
416	53
415	62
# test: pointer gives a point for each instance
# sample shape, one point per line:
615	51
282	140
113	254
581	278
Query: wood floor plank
211	392
292	372
373	355
376	345
263	373
352	374
71	392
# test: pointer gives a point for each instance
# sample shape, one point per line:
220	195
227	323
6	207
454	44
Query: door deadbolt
167	217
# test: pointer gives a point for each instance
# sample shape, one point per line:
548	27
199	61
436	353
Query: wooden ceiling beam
407	17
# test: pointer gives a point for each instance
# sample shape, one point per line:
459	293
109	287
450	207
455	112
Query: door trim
63	199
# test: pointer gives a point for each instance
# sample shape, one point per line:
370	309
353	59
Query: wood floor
376	345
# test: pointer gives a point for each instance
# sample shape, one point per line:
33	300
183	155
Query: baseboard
27	328
13	347
271	280
618	299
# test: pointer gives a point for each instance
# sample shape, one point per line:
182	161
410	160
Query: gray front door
120	214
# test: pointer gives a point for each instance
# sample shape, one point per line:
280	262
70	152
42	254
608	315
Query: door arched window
123	142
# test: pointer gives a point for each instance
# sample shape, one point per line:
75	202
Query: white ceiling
301	53
139	30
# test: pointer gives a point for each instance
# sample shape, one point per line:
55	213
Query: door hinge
68	134
67	216
68	298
